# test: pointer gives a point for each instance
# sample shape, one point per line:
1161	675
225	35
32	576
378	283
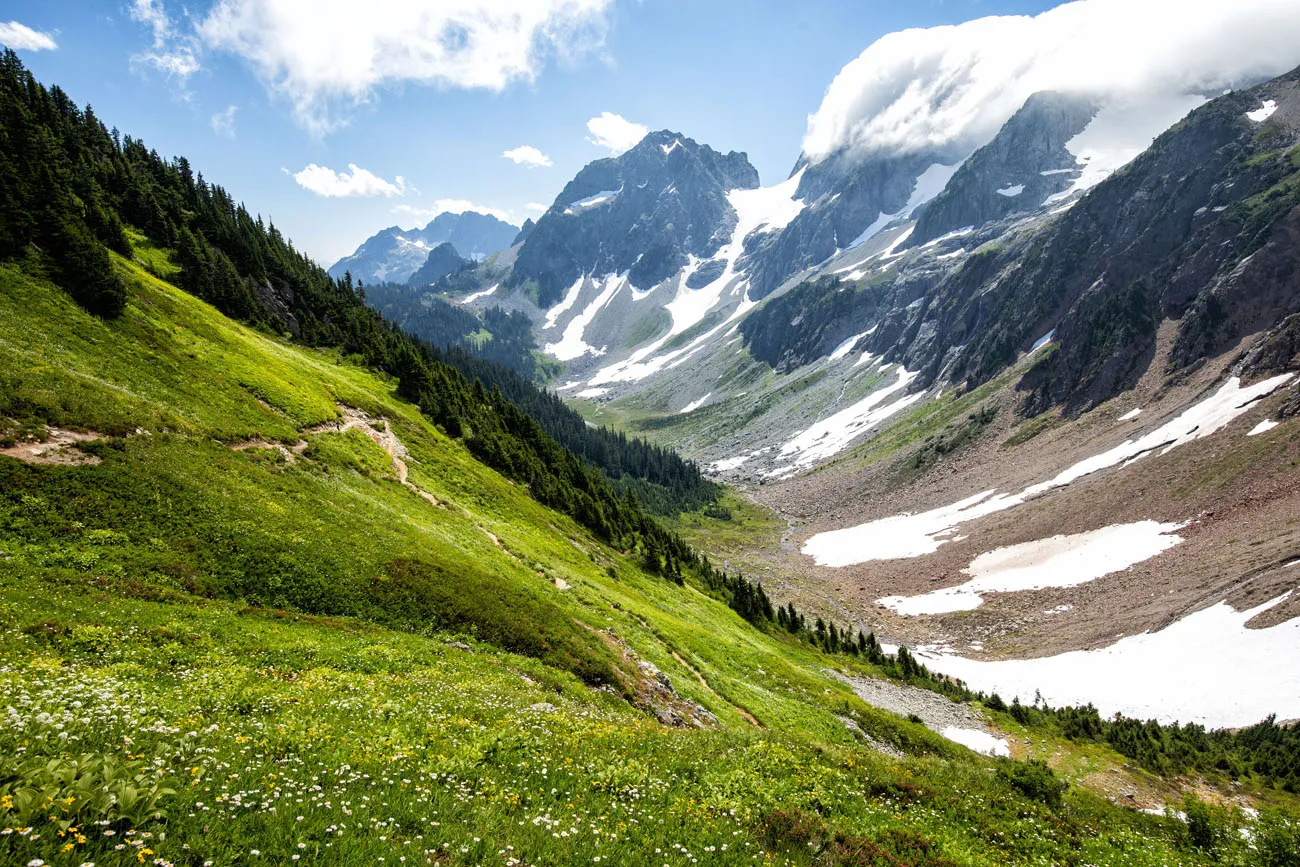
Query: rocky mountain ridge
393	255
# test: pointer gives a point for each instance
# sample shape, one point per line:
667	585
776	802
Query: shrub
1035	780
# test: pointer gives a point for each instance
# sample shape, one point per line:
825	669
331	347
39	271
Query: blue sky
735	74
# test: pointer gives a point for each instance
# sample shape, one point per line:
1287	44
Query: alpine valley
936	505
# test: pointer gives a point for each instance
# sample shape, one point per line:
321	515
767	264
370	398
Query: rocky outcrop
443	260
1025	164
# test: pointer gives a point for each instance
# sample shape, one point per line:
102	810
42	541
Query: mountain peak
394	255
644	212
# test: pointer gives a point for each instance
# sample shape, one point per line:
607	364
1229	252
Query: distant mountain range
394	254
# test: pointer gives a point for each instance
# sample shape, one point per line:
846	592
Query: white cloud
152	13
535	206
223	122
615	132
354	183
950	88
451	206
174	55
527	155
20	37
326	58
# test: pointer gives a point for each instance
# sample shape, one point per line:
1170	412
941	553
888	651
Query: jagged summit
645	212
394	254
1027	163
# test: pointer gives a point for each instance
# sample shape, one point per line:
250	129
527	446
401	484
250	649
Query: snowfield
832	435
1058	561
1206	668
980	742
913	535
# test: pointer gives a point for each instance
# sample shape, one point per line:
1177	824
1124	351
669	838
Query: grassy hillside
232	633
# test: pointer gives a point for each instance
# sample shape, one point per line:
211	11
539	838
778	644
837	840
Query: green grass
214	651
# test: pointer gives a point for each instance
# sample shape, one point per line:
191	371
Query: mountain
1025	164
645	213
443	260
393	255
309	592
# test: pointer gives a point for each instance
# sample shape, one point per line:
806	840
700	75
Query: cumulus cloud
326	58
949	89
356	182
223	122
615	132
527	155
535	206
451	206
20	37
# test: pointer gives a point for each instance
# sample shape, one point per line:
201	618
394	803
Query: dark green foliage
50	200
826	311
1034	780
1202	825
82	266
1277	838
952	439
660	480
800	834
421	595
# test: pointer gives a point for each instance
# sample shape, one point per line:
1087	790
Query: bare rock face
644	212
1025	164
393	255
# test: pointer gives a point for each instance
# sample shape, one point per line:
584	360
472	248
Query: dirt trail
352	419
58	449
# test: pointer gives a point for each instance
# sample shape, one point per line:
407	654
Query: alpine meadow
936	504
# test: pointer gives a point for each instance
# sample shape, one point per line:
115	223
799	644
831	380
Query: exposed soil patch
57	449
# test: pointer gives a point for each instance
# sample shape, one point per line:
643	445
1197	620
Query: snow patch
1204	668
1131	414
1043	341
847	346
1058	561
727	464
1119	132
980	742
570	298
477	295
1263	427
929	184
592	201
1012	191
571	345
593	392
833	434
913	535
694	405
1264	112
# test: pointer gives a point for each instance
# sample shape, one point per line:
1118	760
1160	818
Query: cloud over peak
615	132
356	182
948	89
